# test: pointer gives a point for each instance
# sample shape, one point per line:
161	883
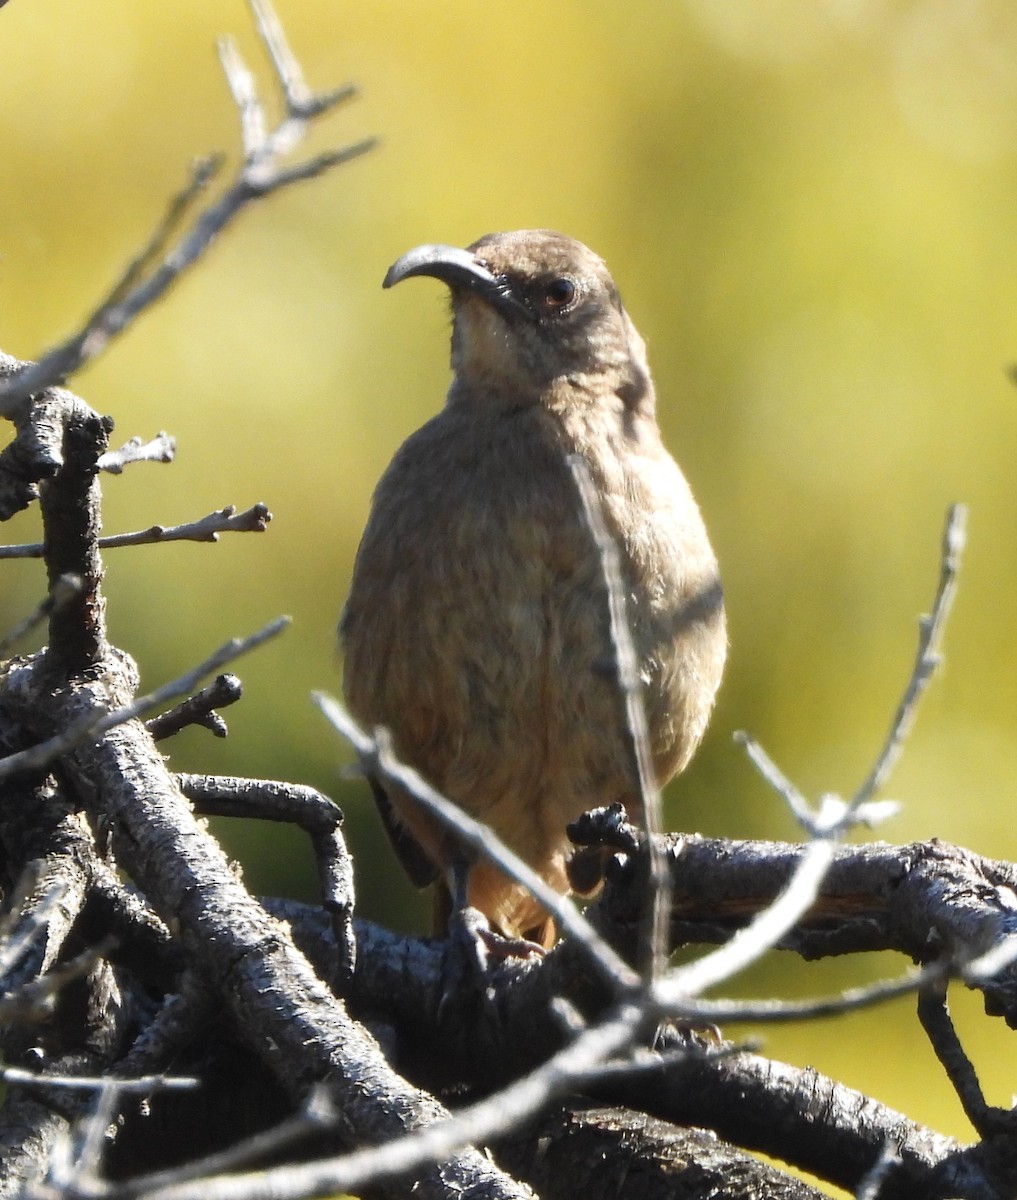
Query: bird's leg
476	950
467	965
600	835
468	929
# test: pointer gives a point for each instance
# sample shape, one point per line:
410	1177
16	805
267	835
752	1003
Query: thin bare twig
376	756
87	1141
477	1123
199	709
245	96
775	777
203	172
778	1011
934	1015
658	913
206	529
94	727
927	658
301	103
834	815
63	590
143	1083
150	274
287	69
162	448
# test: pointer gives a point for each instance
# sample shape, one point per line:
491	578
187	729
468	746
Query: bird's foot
600	835
470	934
475	952
500	948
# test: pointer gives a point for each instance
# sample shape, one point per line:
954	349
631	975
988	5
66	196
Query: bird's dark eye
558	294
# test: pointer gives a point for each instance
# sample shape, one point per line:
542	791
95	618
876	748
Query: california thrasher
477	625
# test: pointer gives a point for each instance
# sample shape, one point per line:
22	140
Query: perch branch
763	932
929	901
376	757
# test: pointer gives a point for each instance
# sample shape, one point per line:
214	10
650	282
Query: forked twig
199	709
162	449
91	727
835	815
148	276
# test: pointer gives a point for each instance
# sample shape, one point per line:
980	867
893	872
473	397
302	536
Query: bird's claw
608	825
601	836
475	951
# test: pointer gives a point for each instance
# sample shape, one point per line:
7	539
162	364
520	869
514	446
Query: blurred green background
811	210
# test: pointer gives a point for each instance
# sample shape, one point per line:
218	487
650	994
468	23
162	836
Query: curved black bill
457	268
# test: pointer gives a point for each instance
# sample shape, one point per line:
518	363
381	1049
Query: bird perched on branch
477	627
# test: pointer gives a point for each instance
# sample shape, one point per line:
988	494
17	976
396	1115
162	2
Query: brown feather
477	625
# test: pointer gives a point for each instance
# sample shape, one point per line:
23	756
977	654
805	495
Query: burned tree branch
199	709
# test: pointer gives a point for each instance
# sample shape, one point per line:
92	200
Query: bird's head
536	318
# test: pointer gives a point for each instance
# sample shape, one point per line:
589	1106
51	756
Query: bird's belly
529	720
481	637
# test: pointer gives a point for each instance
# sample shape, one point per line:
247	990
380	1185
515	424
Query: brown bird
477	626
